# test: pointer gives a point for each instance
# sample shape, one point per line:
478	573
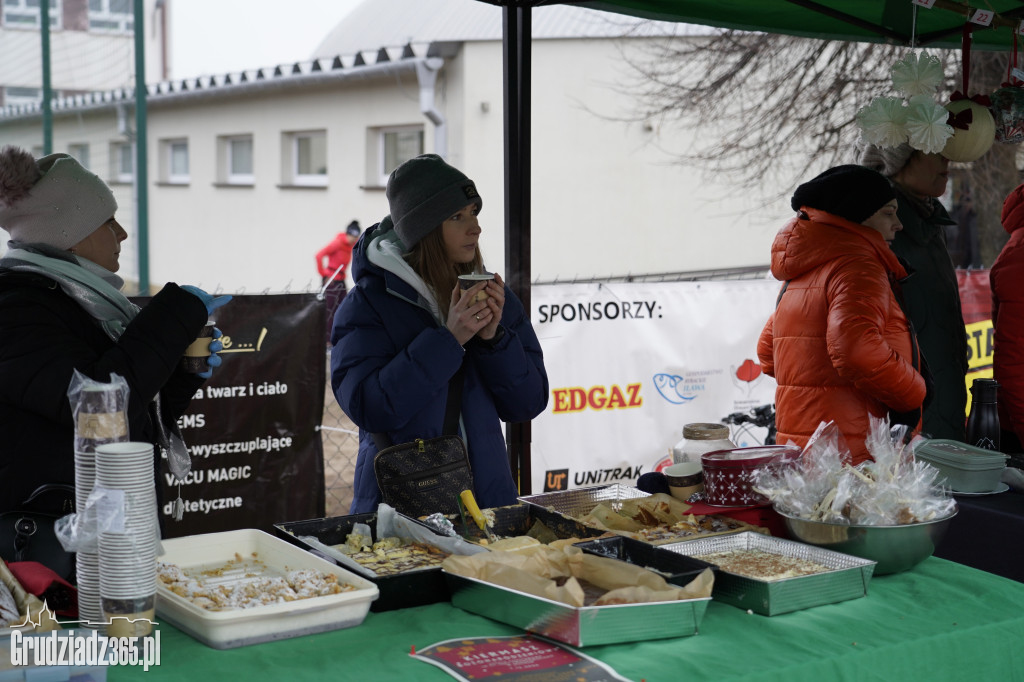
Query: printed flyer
519	658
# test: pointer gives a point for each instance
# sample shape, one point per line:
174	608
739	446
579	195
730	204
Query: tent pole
516	60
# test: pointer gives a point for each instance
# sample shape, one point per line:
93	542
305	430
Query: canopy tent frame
897	22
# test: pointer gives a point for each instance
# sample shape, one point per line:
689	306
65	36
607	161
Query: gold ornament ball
970	144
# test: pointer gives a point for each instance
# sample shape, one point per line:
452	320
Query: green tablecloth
940	621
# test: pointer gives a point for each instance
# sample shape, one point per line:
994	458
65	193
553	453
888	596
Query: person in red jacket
839	344
1007	281
332	264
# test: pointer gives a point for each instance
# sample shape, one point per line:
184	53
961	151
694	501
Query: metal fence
341	437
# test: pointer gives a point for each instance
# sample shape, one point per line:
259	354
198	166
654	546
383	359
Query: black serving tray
415	588
518	519
645	555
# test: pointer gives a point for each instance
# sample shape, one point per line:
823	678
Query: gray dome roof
390	23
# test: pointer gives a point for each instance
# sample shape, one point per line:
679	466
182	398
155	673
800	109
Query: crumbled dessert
690	527
246	583
755	563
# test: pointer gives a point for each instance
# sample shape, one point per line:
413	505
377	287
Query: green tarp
861	20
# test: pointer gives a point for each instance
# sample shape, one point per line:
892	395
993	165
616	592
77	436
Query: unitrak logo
556	480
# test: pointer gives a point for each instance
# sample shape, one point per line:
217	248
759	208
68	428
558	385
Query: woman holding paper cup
61	310
408	326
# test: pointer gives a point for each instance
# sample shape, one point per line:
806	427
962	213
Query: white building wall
606	197
606	200
266	236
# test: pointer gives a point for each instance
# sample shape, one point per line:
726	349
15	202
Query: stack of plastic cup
127	550
99	419
87	563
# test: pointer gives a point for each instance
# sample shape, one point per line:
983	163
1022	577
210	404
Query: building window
15	96
123	162
25	13
115	16
235	157
307	152
396	146
80	152
174	161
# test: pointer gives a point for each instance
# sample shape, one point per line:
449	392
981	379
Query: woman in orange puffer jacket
1007	280
838	344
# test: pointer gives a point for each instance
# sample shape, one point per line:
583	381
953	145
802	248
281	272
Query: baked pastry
761	565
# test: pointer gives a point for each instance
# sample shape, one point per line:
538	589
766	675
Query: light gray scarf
94	288
97	290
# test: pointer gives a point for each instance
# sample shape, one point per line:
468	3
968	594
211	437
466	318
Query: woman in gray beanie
406	327
62	312
931	293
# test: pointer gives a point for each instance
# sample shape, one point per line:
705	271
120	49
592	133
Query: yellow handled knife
471	506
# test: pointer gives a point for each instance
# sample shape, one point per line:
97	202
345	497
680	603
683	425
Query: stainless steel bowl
895	548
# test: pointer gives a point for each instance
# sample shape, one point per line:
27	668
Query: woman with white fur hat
931	292
61	310
406	328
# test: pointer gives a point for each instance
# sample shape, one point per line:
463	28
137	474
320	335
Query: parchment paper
539	570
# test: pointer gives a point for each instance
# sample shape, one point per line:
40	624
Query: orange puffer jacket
838	343
1007	280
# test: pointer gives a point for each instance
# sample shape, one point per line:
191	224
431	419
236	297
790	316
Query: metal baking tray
847	579
674	567
577	626
579	502
400	591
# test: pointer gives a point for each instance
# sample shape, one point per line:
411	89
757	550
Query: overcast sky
220	36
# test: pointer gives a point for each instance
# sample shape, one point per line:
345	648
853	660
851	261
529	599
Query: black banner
257	457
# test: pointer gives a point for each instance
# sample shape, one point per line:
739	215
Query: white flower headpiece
919	120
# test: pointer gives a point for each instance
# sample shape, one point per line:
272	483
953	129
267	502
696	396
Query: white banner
630	363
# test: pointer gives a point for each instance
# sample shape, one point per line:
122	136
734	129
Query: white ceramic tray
241	627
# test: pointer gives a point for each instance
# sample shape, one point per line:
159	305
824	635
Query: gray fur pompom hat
425	191
886	160
53	200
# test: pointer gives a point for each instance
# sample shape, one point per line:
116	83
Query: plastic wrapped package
894	489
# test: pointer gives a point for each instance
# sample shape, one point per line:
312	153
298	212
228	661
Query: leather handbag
425	476
27	534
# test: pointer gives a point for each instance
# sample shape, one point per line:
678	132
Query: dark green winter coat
932	298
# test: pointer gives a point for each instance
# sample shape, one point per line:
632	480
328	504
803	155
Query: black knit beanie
424	192
852	192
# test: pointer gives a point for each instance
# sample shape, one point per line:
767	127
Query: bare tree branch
782	108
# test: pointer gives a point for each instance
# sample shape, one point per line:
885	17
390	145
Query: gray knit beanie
424	192
51	201
886	160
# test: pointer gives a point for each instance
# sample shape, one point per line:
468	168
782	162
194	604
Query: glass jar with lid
700	438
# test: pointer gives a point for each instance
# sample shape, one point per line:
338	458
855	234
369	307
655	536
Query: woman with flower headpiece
839	344
931	292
